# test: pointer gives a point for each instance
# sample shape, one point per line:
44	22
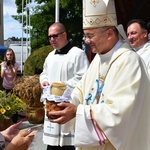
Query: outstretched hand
65	115
11	131
21	141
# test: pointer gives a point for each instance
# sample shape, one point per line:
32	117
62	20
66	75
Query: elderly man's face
136	35
97	39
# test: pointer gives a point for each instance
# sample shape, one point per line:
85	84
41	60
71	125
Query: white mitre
99	13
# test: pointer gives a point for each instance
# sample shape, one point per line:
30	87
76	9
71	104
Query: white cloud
9	8
11	26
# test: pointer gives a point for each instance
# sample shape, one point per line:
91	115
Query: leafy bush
34	63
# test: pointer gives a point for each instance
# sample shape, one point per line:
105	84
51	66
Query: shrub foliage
34	63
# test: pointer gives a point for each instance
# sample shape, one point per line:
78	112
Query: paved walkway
37	143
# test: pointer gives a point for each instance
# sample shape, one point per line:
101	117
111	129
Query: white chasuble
144	53
122	114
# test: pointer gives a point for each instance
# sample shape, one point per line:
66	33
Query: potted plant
9	105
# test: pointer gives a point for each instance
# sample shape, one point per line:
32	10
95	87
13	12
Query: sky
12	28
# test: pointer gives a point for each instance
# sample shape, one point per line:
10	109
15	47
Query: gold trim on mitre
99	13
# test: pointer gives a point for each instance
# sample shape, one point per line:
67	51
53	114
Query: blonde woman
9	68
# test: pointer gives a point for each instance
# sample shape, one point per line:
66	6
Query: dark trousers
60	148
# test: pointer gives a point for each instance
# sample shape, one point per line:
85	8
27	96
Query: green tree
43	15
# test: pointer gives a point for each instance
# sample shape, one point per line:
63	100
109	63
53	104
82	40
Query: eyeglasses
90	36
54	36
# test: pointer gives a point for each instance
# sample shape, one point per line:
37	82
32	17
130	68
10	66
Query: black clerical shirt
65	49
